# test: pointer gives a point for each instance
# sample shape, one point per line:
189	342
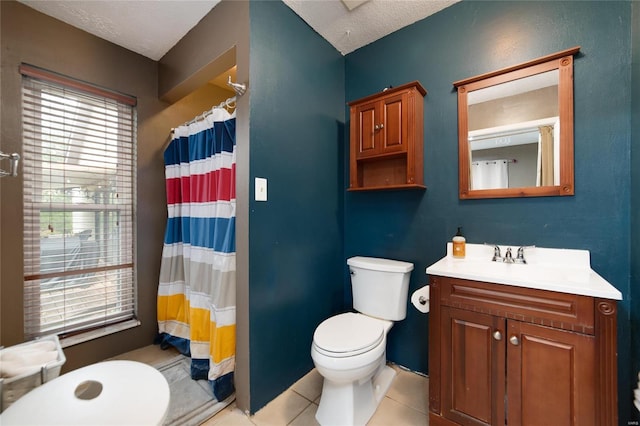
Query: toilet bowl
349	349
355	374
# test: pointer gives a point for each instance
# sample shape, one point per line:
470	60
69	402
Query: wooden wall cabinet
386	139
517	356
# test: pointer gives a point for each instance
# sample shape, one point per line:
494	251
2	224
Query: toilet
349	349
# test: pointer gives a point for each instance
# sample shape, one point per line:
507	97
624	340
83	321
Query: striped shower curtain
196	293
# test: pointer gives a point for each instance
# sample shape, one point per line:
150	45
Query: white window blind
79	166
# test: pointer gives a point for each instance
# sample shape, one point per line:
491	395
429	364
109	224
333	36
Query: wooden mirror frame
562	61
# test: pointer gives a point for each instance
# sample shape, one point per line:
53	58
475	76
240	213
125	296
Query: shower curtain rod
229	103
515	160
240	90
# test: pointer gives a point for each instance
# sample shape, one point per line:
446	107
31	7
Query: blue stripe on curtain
165	340
216	233
203	144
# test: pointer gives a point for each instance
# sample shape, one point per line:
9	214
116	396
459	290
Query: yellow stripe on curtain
173	308
176	308
200	325
224	342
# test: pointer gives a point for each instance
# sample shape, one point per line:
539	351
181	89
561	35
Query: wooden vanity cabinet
386	139
501	355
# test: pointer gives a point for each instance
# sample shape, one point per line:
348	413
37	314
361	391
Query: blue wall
295	238
471	38
635	190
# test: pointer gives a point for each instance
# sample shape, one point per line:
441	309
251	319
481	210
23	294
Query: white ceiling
350	30
147	27
152	27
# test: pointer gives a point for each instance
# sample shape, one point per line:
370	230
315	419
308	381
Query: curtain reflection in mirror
490	174
545	156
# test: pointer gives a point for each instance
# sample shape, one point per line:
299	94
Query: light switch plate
261	189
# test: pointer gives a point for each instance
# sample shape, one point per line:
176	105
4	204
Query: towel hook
13	164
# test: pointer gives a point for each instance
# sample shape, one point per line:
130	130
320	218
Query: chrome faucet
508	256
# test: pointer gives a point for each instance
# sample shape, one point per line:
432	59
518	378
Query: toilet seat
347	335
130	392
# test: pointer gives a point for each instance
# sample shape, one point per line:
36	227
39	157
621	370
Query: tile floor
404	405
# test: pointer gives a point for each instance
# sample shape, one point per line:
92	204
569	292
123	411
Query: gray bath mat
192	401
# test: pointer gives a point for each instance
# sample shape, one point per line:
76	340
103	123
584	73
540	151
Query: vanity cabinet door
551	379
472	362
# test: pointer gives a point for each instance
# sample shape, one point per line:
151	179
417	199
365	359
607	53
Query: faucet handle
520	256
497	257
496	252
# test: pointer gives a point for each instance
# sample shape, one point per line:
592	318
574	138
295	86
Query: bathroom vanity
530	343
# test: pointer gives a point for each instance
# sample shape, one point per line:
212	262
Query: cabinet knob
497	335
514	340
377	127
382	125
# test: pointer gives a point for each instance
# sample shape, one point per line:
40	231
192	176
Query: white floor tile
281	410
410	389
391	412
151	355
230	416
309	386
307	417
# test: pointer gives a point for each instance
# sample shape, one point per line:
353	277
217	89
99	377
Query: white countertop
561	270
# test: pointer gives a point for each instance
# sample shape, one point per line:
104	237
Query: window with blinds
79	166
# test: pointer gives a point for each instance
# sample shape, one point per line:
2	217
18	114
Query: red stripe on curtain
218	185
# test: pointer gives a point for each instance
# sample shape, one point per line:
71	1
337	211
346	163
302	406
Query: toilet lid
348	334
127	392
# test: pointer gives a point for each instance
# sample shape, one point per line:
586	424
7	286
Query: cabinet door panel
551	376
395	125
472	368
366	134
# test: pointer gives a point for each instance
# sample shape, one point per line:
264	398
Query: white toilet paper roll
420	299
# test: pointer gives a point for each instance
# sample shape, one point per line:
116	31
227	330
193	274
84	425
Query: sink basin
562	270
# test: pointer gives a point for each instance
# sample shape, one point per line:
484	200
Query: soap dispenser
459	249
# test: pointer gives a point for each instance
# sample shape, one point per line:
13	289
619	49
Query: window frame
78	332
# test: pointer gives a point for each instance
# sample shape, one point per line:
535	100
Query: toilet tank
380	286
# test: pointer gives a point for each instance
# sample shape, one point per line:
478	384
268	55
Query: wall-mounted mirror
515	130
